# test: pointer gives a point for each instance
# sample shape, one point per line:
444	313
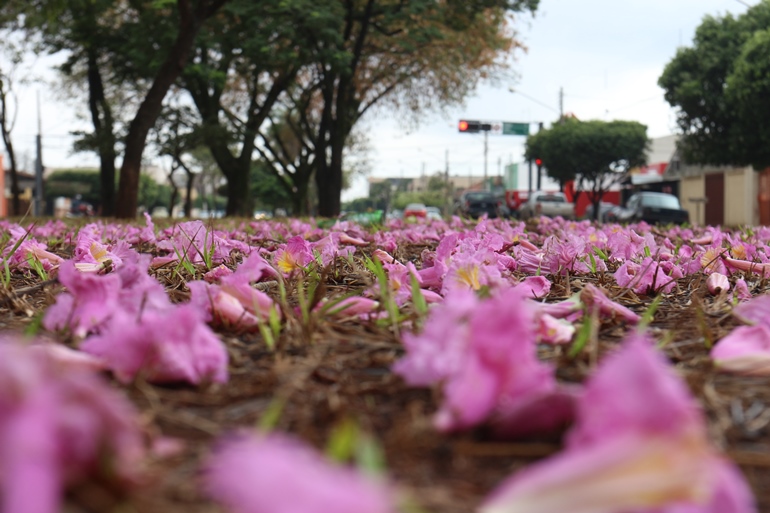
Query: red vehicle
416	210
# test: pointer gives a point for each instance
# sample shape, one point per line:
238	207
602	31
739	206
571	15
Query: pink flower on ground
639	444
235	305
484	354
551	330
294	256
351	306
745	350
162	347
438	351
538	286
717	283
59	424
762	269
592	296
277	474
645	278
754	311
90	300
741	290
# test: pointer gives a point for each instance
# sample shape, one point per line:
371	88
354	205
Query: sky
606	56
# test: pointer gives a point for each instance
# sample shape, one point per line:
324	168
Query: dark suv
654	208
476	203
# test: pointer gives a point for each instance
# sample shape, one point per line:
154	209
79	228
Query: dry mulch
332	371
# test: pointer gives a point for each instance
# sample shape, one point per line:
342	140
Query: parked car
653	208
475	204
434	213
416	210
551	204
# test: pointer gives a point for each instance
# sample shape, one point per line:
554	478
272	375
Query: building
26	187
720	195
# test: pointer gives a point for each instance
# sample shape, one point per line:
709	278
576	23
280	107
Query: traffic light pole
486	148
529	180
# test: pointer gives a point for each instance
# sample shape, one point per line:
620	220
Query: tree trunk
188	194
101	117
189	25
15	192
238	193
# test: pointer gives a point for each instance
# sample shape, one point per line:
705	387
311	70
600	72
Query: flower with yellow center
469	275
739	251
287	263
710	259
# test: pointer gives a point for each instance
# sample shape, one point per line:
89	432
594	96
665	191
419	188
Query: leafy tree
241	67
417	54
748	91
718	87
176	135
267	191
77	27
190	16
595	154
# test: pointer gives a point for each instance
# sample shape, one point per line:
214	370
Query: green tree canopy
720	87
595	154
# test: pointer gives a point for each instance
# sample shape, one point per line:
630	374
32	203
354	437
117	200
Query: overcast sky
607	56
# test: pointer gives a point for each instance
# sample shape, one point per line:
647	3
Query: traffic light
539	162
472	127
469	126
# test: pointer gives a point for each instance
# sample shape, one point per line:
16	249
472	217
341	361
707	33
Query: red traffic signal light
539	162
471	127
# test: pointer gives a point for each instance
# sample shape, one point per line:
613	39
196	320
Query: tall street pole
39	164
486	135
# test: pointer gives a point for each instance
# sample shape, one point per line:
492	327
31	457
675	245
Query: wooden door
715	198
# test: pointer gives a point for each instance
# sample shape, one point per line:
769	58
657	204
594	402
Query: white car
434	213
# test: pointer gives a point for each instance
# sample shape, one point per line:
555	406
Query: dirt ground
326	373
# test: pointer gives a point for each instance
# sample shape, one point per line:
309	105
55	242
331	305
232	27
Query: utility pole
539	170
561	103
448	193
486	135
39	164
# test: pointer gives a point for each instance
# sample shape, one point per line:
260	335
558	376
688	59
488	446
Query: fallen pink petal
639	444
254	473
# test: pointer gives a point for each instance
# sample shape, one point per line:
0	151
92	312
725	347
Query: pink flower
90	300
438	351
754	311
717	283
592	296
59	423
538	286
645	278
551	330
745	350
277	474
639	444
741	290
162	347
296	255
351	306
744	265
484	355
